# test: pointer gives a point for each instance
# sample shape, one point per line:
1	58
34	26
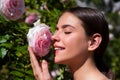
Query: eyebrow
65	26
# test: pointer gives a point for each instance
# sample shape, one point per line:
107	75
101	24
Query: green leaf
19	54
3	52
17	73
4	38
6	44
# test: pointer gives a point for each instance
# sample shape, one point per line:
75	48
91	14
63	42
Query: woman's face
70	40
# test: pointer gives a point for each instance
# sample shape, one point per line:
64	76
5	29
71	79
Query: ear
94	42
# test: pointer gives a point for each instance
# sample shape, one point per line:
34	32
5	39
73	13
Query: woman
80	40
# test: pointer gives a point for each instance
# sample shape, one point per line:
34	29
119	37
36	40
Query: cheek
77	44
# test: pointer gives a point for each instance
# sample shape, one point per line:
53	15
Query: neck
86	71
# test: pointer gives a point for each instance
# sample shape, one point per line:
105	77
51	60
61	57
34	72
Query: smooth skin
73	48
40	70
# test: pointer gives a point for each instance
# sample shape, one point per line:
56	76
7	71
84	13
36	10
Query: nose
55	37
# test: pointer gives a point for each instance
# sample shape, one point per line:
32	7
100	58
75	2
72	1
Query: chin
59	61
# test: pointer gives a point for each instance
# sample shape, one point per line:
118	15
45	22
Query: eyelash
67	32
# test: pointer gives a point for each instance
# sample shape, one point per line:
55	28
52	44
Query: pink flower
55	73
12	9
44	6
31	18
39	38
111	36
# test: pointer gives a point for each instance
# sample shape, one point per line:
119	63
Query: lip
58	49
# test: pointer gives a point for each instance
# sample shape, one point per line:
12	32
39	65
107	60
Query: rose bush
14	57
12	9
39	38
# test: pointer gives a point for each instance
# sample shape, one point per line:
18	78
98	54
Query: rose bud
31	18
39	38
12	9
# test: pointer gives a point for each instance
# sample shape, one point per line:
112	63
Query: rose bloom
31	18
39	38
12	9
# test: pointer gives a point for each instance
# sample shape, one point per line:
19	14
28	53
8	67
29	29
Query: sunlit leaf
19	54
4	38
3	52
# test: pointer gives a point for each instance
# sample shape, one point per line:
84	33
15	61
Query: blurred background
14	57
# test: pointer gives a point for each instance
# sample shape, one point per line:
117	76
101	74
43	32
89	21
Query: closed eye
67	32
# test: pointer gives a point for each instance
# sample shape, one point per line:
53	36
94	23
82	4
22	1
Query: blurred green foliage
14	57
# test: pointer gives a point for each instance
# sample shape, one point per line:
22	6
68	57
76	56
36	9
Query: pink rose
12	9
39	38
31	18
